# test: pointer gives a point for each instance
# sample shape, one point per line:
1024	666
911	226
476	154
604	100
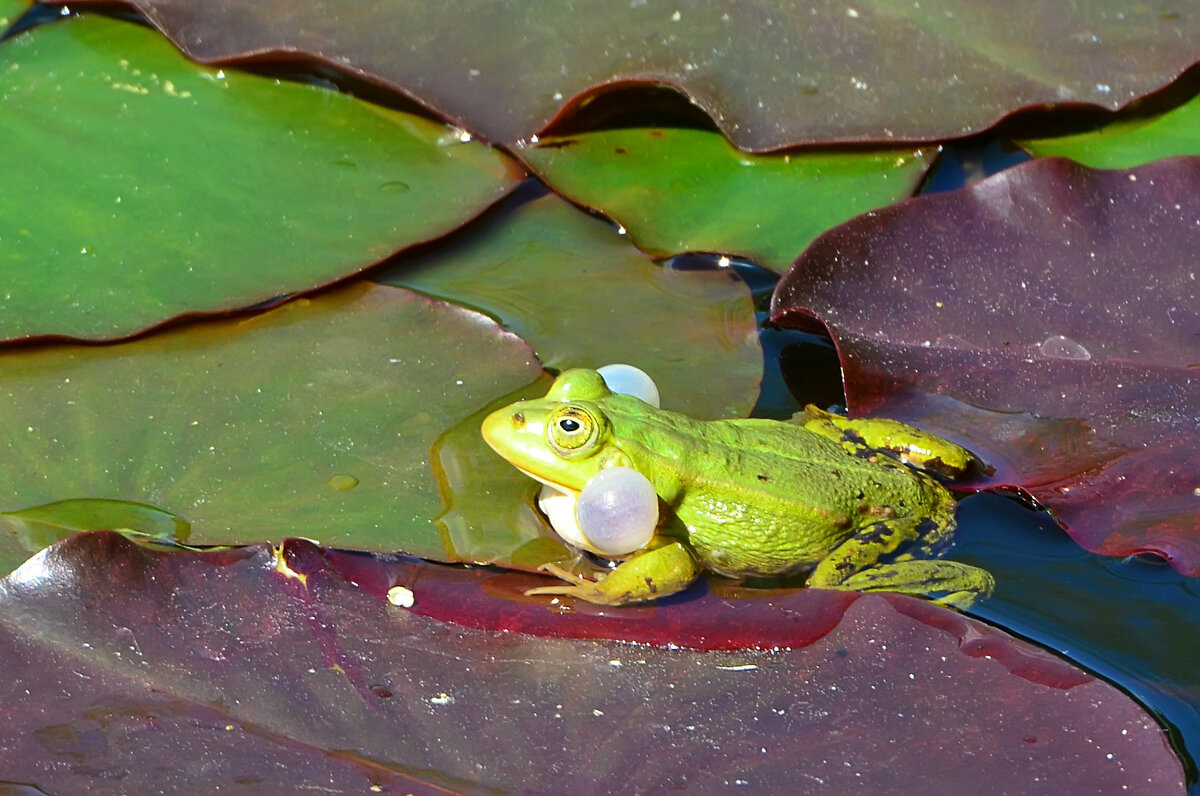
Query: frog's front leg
855	564
663	567
911	445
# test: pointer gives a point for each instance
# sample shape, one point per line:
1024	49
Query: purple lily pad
130	670
770	74
1049	318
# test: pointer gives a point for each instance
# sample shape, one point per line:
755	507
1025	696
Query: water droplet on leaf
1057	346
342	482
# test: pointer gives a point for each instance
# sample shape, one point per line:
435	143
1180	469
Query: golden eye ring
572	430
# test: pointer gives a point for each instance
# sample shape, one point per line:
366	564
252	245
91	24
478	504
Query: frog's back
763	497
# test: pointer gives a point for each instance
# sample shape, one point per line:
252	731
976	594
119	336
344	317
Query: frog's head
563	439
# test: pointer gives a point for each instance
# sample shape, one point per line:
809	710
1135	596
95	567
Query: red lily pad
1049	317
112	220
318	415
142	670
770	74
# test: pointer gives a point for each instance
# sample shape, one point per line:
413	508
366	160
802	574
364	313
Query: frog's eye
572	430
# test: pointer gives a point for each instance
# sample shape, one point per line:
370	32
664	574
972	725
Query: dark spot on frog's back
764	478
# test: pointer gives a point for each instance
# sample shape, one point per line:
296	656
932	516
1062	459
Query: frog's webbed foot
910	445
663	567
575	586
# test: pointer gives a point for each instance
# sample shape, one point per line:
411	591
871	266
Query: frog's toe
961	600
575	586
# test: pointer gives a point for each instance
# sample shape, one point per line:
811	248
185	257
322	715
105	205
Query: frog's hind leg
855	564
960	583
910	445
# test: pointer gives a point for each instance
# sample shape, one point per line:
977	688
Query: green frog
849	502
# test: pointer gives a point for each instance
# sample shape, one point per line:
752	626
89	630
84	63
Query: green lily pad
254	428
10	10
683	190
149	187
583	296
1126	143
41	526
489	512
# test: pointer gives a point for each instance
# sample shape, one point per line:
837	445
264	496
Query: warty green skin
761	497
753	497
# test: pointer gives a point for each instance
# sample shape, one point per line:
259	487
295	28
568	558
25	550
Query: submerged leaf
769	73
112	219
690	191
267	666
489	513
252	429
1063	301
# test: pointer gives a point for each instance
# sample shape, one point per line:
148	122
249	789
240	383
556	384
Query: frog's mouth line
544	482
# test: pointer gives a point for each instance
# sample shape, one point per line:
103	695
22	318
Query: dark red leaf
1048	317
769	74
128	670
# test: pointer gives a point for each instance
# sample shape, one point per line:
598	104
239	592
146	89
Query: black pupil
569	424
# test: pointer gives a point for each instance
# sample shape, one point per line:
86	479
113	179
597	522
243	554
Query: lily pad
1126	143
10	10
584	296
1049	309
770	74
114	221
682	190
42	526
314	418
196	671
489	510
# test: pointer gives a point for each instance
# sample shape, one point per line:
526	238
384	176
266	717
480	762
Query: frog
846	504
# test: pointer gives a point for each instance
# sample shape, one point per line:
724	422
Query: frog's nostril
518	419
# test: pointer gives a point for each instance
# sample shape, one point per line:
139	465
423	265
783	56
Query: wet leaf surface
249	205
1131	142
583	296
1048	317
680	190
770	74
316	417
10	10
128	669
489	507
42	526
